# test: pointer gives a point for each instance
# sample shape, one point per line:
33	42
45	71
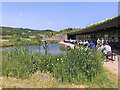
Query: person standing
98	41
102	41
80	42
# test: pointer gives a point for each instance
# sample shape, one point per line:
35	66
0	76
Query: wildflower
57	59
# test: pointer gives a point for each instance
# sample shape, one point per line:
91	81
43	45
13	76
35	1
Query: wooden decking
67	44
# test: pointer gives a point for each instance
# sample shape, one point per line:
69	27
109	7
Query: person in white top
107	50
100	47
98	41
70	40
102	41
80	42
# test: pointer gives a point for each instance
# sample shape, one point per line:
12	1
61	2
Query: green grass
52	41
104	80
18	41
36	80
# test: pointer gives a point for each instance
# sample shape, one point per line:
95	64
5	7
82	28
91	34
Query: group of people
102	45
86	43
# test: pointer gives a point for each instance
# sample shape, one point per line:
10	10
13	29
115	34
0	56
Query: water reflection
53	48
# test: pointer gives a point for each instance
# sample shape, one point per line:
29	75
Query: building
108	30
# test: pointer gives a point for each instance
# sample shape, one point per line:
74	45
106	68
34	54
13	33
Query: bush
77	65
19	63
53	41
25	36
18	39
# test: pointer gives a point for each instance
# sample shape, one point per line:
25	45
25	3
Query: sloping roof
114	22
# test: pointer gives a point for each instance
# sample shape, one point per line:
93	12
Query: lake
52	48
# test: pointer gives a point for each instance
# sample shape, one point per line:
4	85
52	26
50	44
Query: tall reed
74	66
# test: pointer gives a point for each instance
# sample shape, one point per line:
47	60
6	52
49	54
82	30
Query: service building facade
109	30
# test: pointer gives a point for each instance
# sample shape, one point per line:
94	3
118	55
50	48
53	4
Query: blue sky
56	15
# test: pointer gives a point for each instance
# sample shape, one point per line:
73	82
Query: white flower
57	59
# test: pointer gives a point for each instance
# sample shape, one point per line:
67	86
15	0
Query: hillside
11	30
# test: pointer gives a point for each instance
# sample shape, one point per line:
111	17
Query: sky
56	15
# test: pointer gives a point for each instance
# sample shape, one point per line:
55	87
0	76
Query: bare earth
113	65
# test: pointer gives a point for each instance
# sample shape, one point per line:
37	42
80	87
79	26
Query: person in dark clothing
92	45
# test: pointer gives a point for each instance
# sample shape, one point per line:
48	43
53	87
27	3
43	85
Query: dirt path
112	66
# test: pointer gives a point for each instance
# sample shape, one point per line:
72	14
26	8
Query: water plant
78	66
45	47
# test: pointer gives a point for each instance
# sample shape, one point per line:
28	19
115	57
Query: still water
52	48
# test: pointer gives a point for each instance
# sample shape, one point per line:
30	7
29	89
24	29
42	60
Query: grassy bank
17	41
77	66
46	80
37	80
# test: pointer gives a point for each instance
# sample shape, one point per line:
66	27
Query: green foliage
19	31
52	41
18	39
96	24
19	63
37	37
82	64
102	80
21	42
78	66
4	37
45	47
10	32
25	36
70	30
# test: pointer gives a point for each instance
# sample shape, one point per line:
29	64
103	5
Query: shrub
19	63
53	41
18	39
45	47
25	36
78	65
